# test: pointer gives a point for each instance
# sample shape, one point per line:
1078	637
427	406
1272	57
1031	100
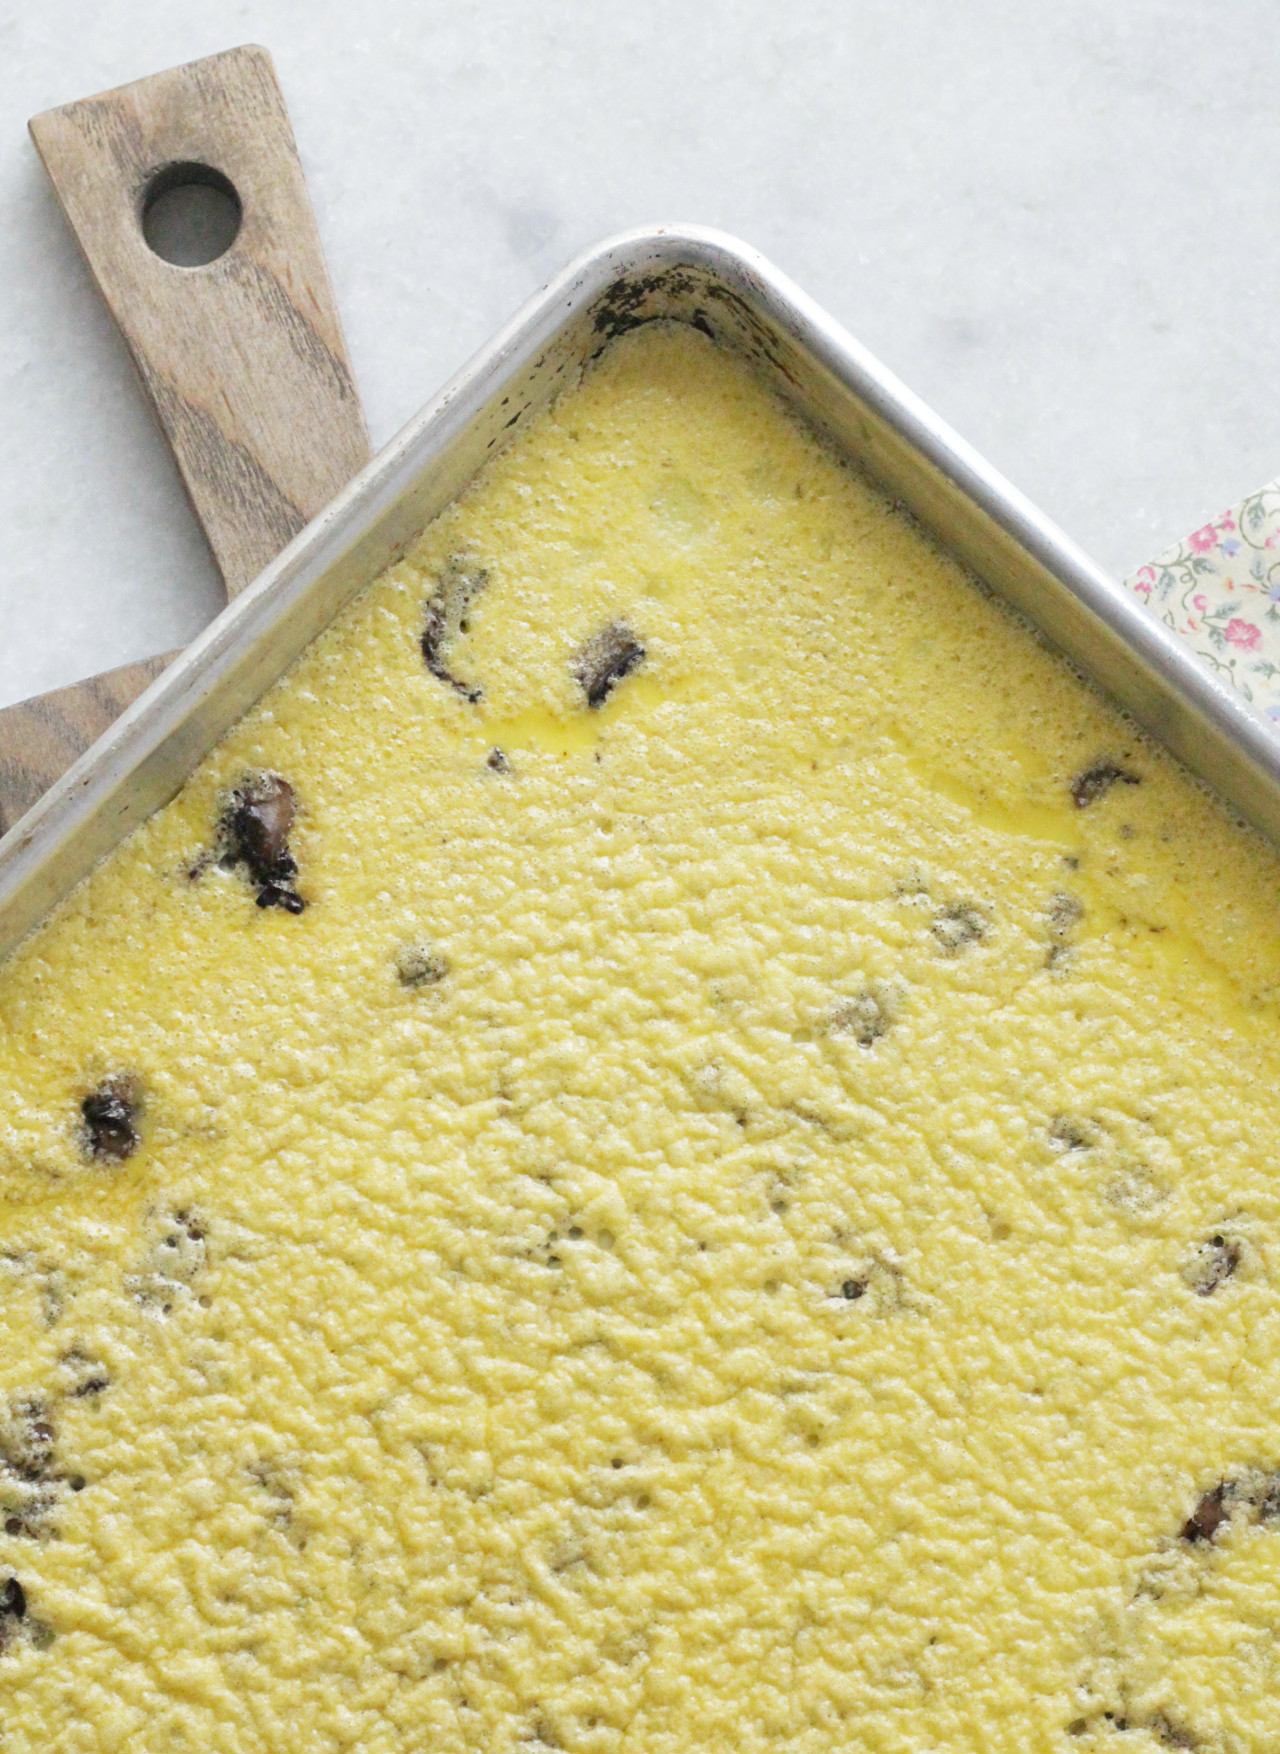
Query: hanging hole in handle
190	214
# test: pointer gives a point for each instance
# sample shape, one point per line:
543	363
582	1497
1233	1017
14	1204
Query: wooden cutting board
243	357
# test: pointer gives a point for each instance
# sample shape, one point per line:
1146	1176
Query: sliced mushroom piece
605	660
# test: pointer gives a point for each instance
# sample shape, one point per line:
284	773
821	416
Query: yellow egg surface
742	1213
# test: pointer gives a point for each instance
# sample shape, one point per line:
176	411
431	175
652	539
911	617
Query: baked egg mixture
672	1146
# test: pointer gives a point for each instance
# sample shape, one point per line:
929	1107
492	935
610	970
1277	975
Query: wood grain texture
243	358
40	738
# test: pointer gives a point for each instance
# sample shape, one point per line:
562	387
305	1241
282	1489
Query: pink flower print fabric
1219	590
1247	635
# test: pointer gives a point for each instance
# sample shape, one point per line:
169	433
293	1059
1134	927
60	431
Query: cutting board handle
242	356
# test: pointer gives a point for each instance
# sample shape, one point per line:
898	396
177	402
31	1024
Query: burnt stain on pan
636	299
626	304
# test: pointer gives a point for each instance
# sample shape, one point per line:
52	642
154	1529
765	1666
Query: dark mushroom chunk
30	1482
1065	913
110	1132
419	966
1208	1516
277	895
1070	1134
1171	1734
1213	1264
445	618
958	926
85	1377
1096	781
605	659
254	832
260	824
1268	1498
13	1609
866	1018
853	1289
26	1443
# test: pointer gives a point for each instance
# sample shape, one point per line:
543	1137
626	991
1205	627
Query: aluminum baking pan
733	294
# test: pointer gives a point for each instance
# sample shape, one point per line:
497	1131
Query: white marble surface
1057	223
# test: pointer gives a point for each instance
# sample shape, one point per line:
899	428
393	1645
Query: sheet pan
735	295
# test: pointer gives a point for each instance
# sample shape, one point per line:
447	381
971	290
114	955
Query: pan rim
145	756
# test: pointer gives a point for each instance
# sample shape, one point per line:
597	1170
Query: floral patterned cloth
1220	591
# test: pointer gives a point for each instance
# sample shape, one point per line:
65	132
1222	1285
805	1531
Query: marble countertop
1056	224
